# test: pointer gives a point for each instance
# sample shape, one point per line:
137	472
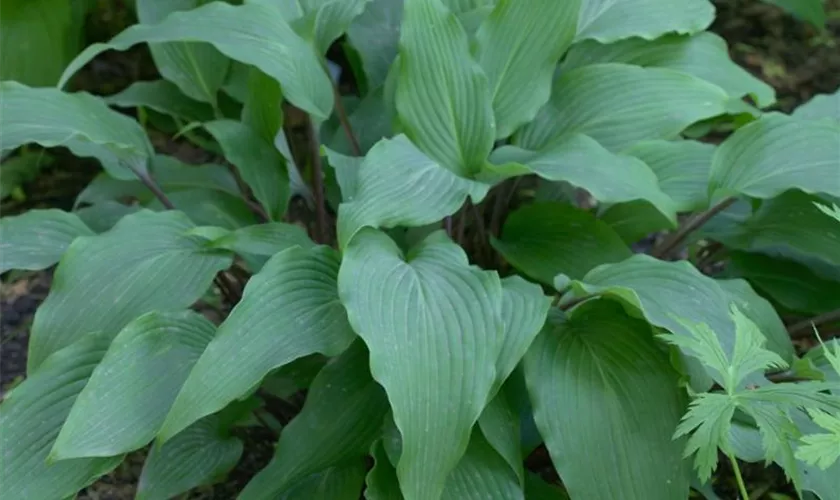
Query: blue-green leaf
610	20
37	239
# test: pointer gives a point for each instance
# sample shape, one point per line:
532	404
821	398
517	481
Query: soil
793	57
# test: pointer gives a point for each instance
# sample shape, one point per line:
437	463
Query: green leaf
707	420
208	207
375	35
584	163
774	154
761	312
793	285
260	335
682	168
442	96
264	239
820	107
635	220
397	185
128	395
500	427
144	263
104	215
161	96
198	69
519	63
482	473
251	33
79	121
811	11
823	449
263	110
608	367
326	20
342	482
704	55
610	20
789	226
371	120
31	417
196	456
619	105
434	330
338	424
381	482
21	169
37	239
546	239
258	162
44	35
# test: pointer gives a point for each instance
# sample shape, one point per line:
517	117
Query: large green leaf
619	105
209	207
582	162
789	226
434	329
776	153
375	35
325	20
760	312
482	473
259	163
682	168
103	216
79	121
519	62
197	456
340	420
546	239
263	109
198	69
31	417
442	96
124	403
626	400
704	55
500	427
44	35
145	263
610	20
397	185
788	283
164	97
811	11
251	33
820	107
289	310
342	482
38	238
662	292
264	239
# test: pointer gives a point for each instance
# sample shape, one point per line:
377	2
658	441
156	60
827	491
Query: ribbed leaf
375	35
760	312
164	97
482	473
340	420
326	20
626	403
518	47
682	168
500	427
397	185
31	417
704	55
442	96
264	239
582	162
776	153
251	33
619	105
103	282
198	69
342	482
820	107
209	207
258	162
788	283
610	20
789	226
289	310
546	239
434	330
197	456
37	239
124	403
79	121
263	109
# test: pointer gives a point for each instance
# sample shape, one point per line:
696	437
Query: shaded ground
791	56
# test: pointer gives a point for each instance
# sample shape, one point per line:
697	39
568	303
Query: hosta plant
481	231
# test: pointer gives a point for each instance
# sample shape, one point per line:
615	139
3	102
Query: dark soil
795	58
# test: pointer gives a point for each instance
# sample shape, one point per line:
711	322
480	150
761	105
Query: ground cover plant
497	229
